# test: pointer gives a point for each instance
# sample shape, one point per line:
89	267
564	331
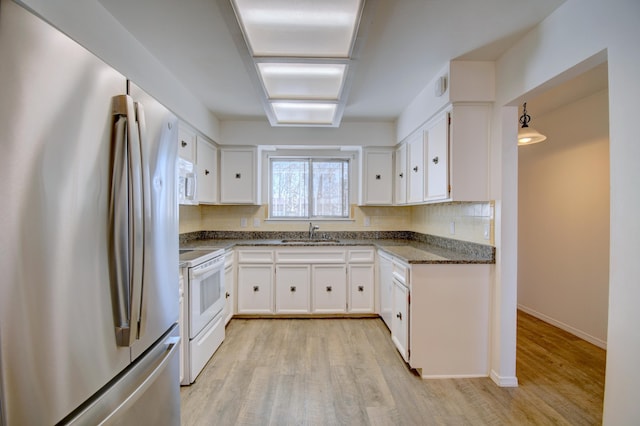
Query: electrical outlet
367	221
243	222
256	222
452	228
487	231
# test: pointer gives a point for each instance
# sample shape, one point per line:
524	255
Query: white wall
89	24
466	81
563	219
575	32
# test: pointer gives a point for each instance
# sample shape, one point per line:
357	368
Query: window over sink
309	188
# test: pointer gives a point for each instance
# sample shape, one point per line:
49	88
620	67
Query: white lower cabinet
385	281
306	280
450	307
400	319
255	289
229	285
292	289
440	316
329	283
182	321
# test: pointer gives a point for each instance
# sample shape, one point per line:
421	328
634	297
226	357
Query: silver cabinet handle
293	288
329	288
256	288
435	160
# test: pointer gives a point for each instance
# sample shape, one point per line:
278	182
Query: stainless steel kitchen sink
313	241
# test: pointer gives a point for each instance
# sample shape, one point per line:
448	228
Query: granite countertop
410	248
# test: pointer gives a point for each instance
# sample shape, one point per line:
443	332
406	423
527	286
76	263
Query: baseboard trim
504	382
569	329
452	376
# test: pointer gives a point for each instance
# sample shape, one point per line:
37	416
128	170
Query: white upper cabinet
186	143
437	159
469	152
377	177
400	177
207	156
448	157
239	175
415	161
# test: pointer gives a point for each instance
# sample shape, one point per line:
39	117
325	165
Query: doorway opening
563	237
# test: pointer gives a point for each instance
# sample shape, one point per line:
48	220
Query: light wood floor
347	372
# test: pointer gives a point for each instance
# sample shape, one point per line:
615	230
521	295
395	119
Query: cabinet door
437	160
238	181
385	278
329	283
207	156
181	323
186	143
255	289
292	289
415	155
400	319
361	289
401	175
229	293
378	178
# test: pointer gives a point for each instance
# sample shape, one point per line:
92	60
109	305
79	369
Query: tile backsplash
468	221
471	221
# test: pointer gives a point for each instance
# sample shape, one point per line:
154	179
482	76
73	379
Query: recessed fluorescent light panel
302	80
297	113
301	28
302	52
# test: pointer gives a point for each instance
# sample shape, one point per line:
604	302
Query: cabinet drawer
255	256
401	272
360	255
310	255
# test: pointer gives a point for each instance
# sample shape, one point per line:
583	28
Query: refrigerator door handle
126	220
146	205
115	404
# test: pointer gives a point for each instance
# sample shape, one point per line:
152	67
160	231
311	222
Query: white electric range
201	314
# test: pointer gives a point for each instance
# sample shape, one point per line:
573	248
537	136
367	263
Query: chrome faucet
312	229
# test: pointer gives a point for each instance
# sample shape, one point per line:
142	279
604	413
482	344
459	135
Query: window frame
310	159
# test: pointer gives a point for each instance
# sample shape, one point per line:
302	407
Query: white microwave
187	189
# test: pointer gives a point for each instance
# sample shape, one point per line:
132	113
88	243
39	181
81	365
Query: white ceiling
406	43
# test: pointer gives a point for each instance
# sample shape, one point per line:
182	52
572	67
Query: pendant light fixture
528	135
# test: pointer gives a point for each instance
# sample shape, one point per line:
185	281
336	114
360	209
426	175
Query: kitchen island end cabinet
441	315
450	320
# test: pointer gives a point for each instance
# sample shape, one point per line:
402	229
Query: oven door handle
199	272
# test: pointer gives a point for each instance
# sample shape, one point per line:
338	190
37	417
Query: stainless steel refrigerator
89	233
